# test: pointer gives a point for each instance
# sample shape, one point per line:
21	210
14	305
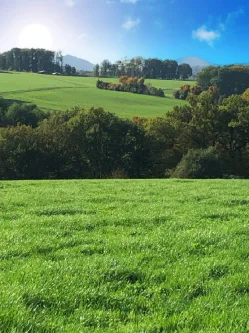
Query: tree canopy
151	68
229	80
207	138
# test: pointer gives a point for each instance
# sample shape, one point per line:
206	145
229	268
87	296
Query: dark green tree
184	71
68	69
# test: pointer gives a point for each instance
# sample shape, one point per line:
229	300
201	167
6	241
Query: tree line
34	60
229	80
131	84
208	138
151	68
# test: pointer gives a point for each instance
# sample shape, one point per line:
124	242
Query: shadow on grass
9	102
5	72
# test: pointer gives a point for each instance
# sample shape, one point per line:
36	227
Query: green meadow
124	256
65	92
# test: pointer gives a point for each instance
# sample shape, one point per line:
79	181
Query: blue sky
214	30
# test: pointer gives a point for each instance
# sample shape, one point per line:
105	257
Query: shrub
177	94
201	163
183	92
245	95
196	90
131	84
3	103
26	114
160	92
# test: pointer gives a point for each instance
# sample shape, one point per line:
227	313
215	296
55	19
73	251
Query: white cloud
209	36
130	1
129	23
70	3
204	35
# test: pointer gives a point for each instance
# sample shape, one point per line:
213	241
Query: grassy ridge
124	256
60	93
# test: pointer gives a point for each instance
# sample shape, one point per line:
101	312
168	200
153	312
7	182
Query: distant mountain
78	63
196	63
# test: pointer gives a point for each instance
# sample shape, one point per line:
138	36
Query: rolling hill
61	93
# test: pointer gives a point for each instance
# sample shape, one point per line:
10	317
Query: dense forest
208	138
34	60
233	79
147	68
228	80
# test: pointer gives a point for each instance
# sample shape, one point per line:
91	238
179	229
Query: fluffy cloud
209	36
204	35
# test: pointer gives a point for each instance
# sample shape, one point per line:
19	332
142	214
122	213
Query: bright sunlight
35	36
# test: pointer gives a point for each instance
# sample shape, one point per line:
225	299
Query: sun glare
35	36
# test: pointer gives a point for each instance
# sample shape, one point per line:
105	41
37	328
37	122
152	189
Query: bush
196	90
3	103
245	95
201	163
26	114
183	92
159	92
177	94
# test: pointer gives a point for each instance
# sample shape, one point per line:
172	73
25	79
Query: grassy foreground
124	256
62	92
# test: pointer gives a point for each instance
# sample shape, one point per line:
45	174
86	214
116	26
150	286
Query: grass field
62	93
124	256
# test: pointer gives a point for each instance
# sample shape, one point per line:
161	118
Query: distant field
62	93
124	256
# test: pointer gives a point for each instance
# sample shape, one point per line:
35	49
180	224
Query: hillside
124	256
78	63
61	93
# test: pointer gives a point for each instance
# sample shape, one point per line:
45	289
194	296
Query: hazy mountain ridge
78	63
196	63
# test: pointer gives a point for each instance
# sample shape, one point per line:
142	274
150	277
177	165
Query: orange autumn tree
131	84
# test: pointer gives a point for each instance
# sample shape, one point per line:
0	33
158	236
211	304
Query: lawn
124	256
62	93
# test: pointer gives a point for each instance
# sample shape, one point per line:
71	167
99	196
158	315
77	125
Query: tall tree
105	67
184	71
68	69
28	60
73	71
96	70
